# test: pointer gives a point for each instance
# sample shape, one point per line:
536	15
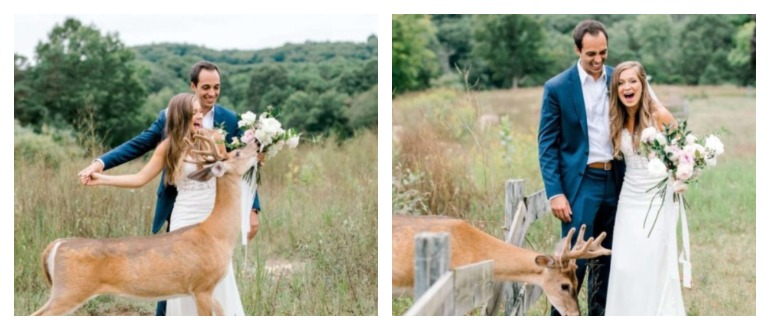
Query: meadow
454	149
315	253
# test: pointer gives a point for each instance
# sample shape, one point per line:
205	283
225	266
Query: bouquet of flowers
681	155
265	130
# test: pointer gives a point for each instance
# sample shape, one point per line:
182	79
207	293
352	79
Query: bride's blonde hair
619	113
179	118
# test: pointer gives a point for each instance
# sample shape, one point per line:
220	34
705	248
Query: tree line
88	81
504	51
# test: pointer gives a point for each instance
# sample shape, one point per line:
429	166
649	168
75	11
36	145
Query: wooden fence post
431	260
520	212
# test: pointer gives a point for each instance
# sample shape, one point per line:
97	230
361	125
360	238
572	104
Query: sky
246	32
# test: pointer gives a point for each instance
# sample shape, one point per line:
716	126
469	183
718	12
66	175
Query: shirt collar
583	74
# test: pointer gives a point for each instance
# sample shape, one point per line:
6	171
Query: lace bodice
634	160
186	184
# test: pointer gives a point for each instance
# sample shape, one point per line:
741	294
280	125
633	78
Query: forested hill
86	80
315	86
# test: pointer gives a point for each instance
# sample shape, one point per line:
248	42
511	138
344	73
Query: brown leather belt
602	166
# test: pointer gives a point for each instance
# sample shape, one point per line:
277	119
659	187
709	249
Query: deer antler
209	155
583	249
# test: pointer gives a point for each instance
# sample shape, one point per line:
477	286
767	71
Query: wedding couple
594	174
182	201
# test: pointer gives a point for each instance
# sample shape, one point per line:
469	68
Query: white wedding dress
194	203
644	274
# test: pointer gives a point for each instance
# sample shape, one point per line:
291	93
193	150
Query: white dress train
644	275
194	203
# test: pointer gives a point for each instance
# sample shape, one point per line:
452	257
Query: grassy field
315	254
453	151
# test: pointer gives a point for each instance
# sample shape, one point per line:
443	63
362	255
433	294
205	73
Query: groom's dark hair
195	71
588	26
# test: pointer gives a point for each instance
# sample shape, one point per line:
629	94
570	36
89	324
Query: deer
188	261
555	274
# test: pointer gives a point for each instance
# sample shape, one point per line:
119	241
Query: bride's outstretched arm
147	173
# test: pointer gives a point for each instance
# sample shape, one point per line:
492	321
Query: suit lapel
218	116
576	89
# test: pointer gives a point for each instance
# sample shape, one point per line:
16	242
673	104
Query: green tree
509	46
315	113
83	74
740	56
362	112
705	43
413	63
454	34
268	86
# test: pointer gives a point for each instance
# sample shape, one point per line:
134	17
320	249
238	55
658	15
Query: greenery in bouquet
680	155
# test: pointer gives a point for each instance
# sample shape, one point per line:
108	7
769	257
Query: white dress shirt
208	119
596	98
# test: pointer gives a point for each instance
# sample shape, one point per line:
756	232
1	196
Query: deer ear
218	169
205	174
545	261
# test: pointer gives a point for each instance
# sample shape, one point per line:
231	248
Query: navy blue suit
592	193
148	140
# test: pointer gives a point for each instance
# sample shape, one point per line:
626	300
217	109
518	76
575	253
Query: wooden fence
439	291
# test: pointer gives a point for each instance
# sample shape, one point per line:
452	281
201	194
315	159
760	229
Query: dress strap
684	257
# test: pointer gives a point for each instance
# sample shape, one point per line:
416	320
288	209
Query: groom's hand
254	221
561	209
85	174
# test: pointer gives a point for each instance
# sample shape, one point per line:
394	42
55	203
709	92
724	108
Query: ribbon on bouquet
684	257
248	190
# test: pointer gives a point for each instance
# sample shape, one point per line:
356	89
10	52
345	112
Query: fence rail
438	291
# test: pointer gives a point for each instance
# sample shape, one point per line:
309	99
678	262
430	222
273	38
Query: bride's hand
95	179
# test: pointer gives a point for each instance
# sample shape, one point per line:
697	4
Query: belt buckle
607	166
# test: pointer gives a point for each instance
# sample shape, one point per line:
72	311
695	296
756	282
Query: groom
582	180
205	83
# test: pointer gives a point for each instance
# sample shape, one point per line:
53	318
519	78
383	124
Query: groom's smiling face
207	89
593	54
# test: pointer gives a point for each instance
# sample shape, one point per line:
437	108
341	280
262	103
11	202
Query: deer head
560	279
236	162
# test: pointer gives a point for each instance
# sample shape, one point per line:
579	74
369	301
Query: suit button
580	174
586	152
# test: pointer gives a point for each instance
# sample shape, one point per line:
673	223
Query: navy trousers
595	205
160	309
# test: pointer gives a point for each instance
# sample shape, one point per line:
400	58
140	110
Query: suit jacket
563	135
148	140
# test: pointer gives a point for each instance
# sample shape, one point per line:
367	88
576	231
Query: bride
195	200
644	275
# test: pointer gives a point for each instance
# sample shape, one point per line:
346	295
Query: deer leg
63	303
217	307
204	301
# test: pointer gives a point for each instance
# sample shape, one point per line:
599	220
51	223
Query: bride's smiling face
630	88
197	121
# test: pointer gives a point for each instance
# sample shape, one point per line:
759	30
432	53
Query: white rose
293	142
711	161
648	134
714	144
661	139
679	186
694	151
690	139
673	152
248	118
656	167
684	171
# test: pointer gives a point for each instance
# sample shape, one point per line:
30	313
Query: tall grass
464	165
315	254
